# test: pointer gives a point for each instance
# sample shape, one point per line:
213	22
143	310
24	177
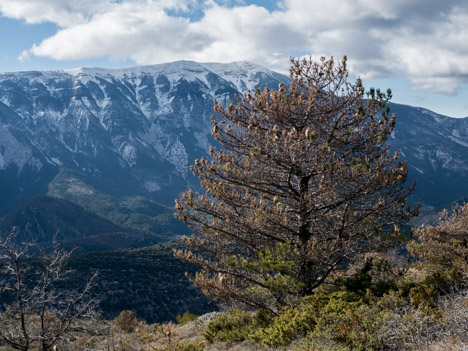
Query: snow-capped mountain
136	131
128	132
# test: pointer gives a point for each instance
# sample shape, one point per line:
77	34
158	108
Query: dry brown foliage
444	247
304	182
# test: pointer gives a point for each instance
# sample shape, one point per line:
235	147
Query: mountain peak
176	66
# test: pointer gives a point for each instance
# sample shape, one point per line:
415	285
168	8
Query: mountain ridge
102	127
44	220
135	131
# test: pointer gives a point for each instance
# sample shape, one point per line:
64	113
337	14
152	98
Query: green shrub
186	346
309	344
235	325
423	295
291	323
427	292
335	321
365	279
186	317
351	323
338	318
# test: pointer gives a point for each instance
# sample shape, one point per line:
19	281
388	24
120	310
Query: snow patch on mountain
202	138
55	161
439	118
128	153
188	70
458	141
243	75
449	161
152	185
12	152
176	154
419	170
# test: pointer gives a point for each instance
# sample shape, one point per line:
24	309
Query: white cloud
427	40
61	12
66	13
24	56
129	29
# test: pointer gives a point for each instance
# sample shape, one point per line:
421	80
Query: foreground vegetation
375	307
383	303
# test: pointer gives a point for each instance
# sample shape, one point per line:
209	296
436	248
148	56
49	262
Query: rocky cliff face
436	150
132	131
136	131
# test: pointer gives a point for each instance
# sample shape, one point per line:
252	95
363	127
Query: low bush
360	313
185	346
186	317
126	321
235	325
291	323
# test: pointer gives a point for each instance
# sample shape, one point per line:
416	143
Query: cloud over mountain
422	39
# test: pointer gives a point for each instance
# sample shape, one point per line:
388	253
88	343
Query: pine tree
304	182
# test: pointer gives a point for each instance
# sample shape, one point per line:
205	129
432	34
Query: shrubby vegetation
413	309
444	247
186	318
405	315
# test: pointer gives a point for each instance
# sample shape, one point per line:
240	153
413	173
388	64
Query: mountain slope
135	212
132	133
44	219
436	150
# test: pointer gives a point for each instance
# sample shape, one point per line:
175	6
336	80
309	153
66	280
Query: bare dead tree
40	314
305	182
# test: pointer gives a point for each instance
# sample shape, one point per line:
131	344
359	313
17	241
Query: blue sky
418	48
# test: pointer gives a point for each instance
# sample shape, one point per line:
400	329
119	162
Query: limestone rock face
134	132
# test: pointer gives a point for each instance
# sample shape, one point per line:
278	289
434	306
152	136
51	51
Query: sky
418	48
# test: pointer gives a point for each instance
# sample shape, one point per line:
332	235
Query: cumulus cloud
426	40
61	12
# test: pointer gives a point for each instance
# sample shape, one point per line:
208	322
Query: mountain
119	142
45	219
435	148
127	132
137	213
